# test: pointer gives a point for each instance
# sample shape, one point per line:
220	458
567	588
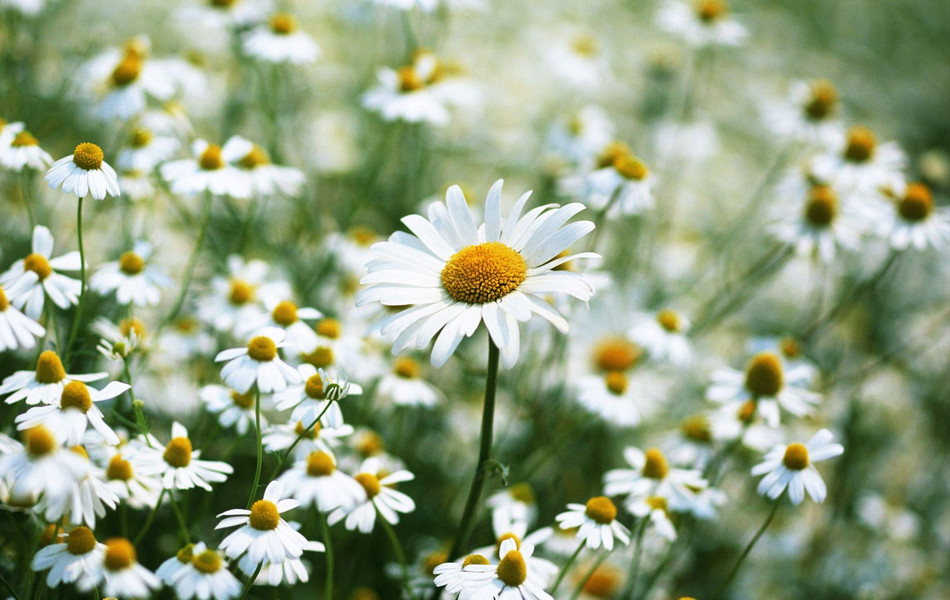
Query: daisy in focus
177	464
651	474
455	275
809	115
379	497
315	481
77	555
84	172
45	384
792	466
132	278
258	364
37	276
596	523
281	41
514	580
76	410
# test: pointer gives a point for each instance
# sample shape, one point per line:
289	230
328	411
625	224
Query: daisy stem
304	433
82	285
567	566
635	566
250	582
400	554
748	548
25	191
590	573
151	517
328	550
9	587
484	454
192	260
181	519
260	446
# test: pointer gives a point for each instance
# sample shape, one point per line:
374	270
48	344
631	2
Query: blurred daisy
43	385
621	185
585	133
37	276
16	329
663	336
119	340
289	317
76	409
239	297
77	556
701	23
857	165
317	395
210	170
132	278
915	222
611	397
41	466
792	466
470	579
454	275
258	363
379	497
341	348
84	172
817	226
651	474
145	150
281	41
419	92
129	485
177	464
308	437
809	115
124	576
137	185
515	504
315	481
514	579
790	350
267	179
578	60
404	385
233	408
202	574
128	86
655	508
596	523
24	152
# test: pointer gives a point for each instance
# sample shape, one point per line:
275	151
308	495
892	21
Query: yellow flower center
483	273
710	10
696	427
49	369
46	536
39	441
119	469
185	554
790	347
433	560
406	368
764	375
242	400
329	328
655	466
127	71
370	444
210	159
264	515
616	382
120	554
796	456
861	144
241	292
24	138
87	156
585	45
314	387
283	24
370	484
80	451
601	510
131	263
38	264
140	138
255	158
80	540
362	235
178	452
364	593
746	411
207	562
320	464
475	559
522	492
917	203
604	582
4	303
285	313
321	357
669	320
75	395
409	80
657	503
127	327
821	208
512	569
312	432
611	152
223	3
822	101
631	167
262	349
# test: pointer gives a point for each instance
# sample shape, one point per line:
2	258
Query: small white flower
132	278
312	436
816	222
267	179
128	483
611	397
702	23
76	409
470	579
119	341
258	363
792	466
239	298
514	508
37	276
915	222
45	384
233	409
404	386
514	577
211	170
596	522
287	316
379	496
808	116
197	571
145	151
858	167
315	481
656	509
177	464
318	395
16	329
651	474
77	556
663	336
124	576
84	172
24	152
281	41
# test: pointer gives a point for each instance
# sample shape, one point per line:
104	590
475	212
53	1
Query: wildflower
611	397
663	336
454	275
24	152
584	134
16	329
38	276
145	150
178	463
471	578
120	340
817	223
514	579
281	41
313	436
597	523
84	172
809	115
197	571
233	408
405	386
40	466
621	183
515	504
79	555
128	78
915	221
318	393
656	508
124	577
132	278
578	60
239	298
76	409
858	166
267	179
702	23
379	496
651	474
124	478
210	170
793	466
338	347
45	384
258	363
87	500
315	481
289	317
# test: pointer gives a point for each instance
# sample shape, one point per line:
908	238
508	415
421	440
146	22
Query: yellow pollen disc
312	432
822	102
433	560
46	536
406	368
140	138
127	71
370	444
241	292
39	441
314	387
710	10
585	45
522	492
75	395
657	503
210	159
655	466
80	451
320	464
409	80
262	349
483	273
186	324
119	469
370	484
49	369
631	167
696	428
285	313
283	24
611	153
178	452
790	347
264	515
80	540
207	562
475	559
764	375
185	555
746	411
507	536
131	263
861	144
362	235
512	569
255	158
120	554
38	264
669	320
601	510
917	203
88	156
604	582
796	456
242	400
821	208
329	328
129	326
4	303
24	138
616	382
321	357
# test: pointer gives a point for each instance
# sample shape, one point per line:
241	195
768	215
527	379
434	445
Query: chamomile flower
596	522
133	279
915	222
289	317
339	347
656	509
792	353
16	329
315	481
318	395
809	115
40	466
470	579
128	483
379	497
621	183
582	136
792	466
258	364
120	340
405	386
651	474
281	41
818	225
121	576
312	436
177	464
611	397
125	80
577	59
267	179
858	166
78	555
88	500
210	170
38	276
701	23
454	275
197	571
45	384
514	579
515	504
290	570
24	152
233	408
84	172
145	150
239	297
76	409
663	336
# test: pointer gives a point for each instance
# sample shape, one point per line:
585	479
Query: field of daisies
474	299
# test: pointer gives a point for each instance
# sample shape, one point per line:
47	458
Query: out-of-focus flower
16	329
197	571
915	221
24	152
37	276
210	170
663	336
281	41
792	466
267	179
701	23
133	279
405	386
379	497
45	384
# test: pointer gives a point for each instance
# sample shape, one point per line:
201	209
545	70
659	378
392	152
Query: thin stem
635	565
590	573
148	521
304	433
25	192
748	548
82	285
567	566
192	260
260	446
182	526
9	587
328	545
400	555
250	582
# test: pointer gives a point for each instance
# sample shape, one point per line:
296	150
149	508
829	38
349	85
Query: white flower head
177	464
45	384
663	336
210	170
84	172
596	522
258	363
38	276
701	23
24	152
75	411
915	222
315	481
651	474
197	571
133	279
123	575
78	555
267	179
280	40
792	466
16	329
379	496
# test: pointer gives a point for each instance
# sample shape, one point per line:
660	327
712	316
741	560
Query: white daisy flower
818	225
267	179
281	41
809	114
16	329
287	316
651	474
224	14
123	576
858	166
77	556
125	80
119	340
514	505
741	419
239	297
514	579
404	386
577	59
290	570
701	23
319	393
45	384
41	467
264	535
579	140
596	522
183	340
84	172
379	496
663	336
197	571
89	499
145	150
792	354
315	481
24	152
211	170
611	397
621	185
470	579
656	509
233	409
37	276
340	348
258	364
129	484
793	466
178	463
133	279
8	131
456	275
137	185
312	437
915	222
76	409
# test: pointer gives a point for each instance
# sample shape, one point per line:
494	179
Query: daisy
267	179
767	385
84	172
239	297
858	166
211	171
37	276
129	79
76	409
470	579
42	467
145	150
340	348
657	510
289	317
264	535
290	570
24	152
739	419
621	184
45	384
8	132
233	409
514	580
809	114
124	577
582	137
454	275
132	278
651	474
597	523
259	364
178	463
915	222
318	395
16	329
78	556
793	357
578	60
119	341
515	504
404	386
130	485
701	23
379	496
200	573
137	185
88	500
281	41
315	481
793	466
305	437
818	225
663	336
611	397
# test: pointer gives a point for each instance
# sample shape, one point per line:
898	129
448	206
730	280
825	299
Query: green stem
260	446
328	545
304	433
748	548
192	260
400	555
9	587
590	573
82	286
250	582
148	521
182	526
635	566
567	566
25	192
